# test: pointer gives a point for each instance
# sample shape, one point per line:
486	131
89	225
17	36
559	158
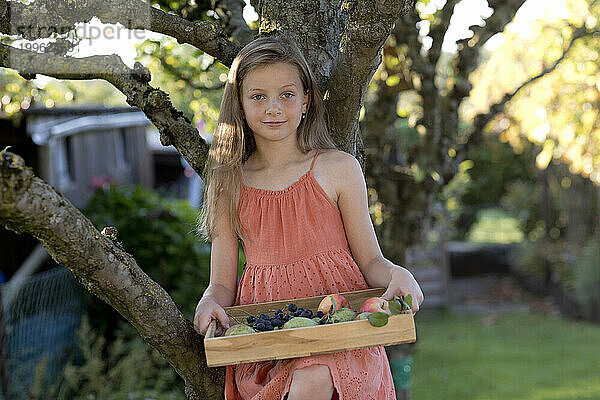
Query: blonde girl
275	181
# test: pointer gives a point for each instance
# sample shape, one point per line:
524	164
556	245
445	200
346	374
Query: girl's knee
312	382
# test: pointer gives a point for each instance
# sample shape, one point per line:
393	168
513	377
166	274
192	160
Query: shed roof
58	122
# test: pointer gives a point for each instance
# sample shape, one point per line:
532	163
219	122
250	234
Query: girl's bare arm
353	204
224	257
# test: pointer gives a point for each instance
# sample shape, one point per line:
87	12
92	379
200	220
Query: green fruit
343	315
239	329
362	316
299	322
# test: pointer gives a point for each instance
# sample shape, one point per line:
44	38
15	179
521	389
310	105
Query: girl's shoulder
336	171
338	163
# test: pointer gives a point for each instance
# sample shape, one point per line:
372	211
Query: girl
275	180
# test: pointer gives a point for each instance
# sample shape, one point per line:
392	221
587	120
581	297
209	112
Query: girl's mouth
274	124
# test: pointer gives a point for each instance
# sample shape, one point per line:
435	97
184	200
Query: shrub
159	233
587	277
126	368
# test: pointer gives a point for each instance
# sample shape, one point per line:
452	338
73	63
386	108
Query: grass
495	226
506	356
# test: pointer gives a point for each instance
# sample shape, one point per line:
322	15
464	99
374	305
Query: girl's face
273	102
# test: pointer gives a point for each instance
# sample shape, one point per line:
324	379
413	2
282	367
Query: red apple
336	300
375	304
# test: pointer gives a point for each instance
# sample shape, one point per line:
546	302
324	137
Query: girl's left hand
403	283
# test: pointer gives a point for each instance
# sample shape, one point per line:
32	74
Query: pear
363	315
299	322
343	315
239	329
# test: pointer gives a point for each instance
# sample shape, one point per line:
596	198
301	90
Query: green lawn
518	357
495	226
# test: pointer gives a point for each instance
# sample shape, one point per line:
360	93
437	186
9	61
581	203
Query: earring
303	115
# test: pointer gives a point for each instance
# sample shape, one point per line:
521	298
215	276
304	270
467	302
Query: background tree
414	138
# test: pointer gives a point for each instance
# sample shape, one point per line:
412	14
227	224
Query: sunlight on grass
509	356
494	226
572	390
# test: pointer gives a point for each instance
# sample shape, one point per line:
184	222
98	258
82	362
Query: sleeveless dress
298	248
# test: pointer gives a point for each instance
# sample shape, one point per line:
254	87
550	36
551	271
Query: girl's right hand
207	310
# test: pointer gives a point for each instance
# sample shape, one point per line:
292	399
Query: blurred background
481	138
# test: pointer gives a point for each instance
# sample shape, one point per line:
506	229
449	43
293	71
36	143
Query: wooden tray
307	341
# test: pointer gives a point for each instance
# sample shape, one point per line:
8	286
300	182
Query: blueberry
277	322
300	309
278	311
292	307
319	314
251	319
260	326
268	328
265	317
306	314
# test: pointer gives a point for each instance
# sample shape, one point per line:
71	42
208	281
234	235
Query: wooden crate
307	341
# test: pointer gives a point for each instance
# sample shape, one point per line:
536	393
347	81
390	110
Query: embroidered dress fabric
298	248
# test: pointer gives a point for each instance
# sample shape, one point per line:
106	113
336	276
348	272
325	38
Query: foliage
559	112
486	176
17	94
193	79
587	276
160	234
125	368
505	356
546	260
494	226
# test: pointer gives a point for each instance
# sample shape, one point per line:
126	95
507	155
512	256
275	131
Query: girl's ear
305	102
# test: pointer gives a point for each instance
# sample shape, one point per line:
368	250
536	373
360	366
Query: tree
412	127
342	42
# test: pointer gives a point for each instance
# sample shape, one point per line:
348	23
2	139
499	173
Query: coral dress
298	248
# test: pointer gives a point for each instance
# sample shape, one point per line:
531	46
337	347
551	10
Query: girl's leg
314	383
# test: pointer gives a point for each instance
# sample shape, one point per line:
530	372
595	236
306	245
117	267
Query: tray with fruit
309	326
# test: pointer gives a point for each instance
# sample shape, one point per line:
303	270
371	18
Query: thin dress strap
313	161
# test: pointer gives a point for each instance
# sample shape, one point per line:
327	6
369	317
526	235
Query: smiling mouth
274	123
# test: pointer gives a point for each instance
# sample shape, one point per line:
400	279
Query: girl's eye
257	97
288	95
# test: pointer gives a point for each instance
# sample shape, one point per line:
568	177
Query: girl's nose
274	107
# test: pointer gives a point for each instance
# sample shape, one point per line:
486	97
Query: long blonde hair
233	140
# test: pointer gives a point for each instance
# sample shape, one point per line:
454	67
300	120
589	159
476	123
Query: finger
219	331
387	295
223	318
201	325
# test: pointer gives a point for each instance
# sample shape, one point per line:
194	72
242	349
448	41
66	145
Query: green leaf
396	308
4	151
378	319
408	300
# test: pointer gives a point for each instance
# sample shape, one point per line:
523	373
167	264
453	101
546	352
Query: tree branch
360	47
438	31
231	12
469	49
405	32
174	128
42	18
481	120
28	204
